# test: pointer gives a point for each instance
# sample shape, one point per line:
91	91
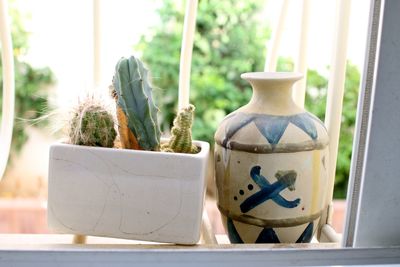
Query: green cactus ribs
181	133
91	125
137	113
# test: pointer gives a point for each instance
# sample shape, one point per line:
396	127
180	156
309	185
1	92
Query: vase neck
272	94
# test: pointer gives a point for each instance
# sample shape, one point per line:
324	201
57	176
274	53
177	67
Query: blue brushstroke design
233	234
267	235
255	174
305	122
234	125
272	127
316	119
268	191
307	234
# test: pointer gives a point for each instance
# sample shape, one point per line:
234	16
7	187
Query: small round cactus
91	125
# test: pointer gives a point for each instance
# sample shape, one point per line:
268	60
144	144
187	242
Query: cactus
136	111
181	133
91	125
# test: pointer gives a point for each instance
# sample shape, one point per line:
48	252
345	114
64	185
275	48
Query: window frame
62	254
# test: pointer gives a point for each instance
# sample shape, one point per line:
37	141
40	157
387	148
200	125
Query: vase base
239	232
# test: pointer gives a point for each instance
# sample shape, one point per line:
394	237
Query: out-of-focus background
53	49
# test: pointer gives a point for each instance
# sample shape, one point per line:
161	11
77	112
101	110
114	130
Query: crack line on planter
163	225
107	185
107	162
60	221
138	174
114	184
82	166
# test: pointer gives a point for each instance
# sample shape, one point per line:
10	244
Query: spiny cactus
91	124
136	111
181	133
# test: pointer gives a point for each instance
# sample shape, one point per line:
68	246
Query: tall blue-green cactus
136	110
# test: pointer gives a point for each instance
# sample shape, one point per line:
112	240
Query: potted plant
145	189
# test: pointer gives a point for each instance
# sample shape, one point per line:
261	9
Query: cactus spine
91	125
181	133
136	111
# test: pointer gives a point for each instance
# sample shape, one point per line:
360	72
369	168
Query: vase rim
289	76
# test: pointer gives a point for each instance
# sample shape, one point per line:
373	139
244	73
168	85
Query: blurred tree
316	101
30	83
230	39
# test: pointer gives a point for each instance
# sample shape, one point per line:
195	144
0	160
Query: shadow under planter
132	194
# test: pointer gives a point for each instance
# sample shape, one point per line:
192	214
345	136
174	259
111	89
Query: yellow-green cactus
181	133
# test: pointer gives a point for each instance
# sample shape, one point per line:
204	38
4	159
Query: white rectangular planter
141	195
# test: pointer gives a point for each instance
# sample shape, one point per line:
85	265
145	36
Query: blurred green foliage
230	39
30	83
315	103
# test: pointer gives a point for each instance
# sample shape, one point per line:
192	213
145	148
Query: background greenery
230	39
30	83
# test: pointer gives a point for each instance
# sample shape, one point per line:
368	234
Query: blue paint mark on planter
233	234
307	234
270	191
267	235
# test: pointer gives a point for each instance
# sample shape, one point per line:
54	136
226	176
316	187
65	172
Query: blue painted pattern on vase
267	235
271	166
286	179
271	127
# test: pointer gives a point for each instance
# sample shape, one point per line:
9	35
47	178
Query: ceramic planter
271	165
141	195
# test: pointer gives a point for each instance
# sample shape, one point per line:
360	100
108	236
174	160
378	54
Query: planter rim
204	149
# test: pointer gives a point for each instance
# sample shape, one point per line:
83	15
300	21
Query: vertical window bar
299	92
272	54
7	119
335	93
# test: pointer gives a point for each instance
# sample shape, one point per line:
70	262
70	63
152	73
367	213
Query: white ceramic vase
132	194
271	165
